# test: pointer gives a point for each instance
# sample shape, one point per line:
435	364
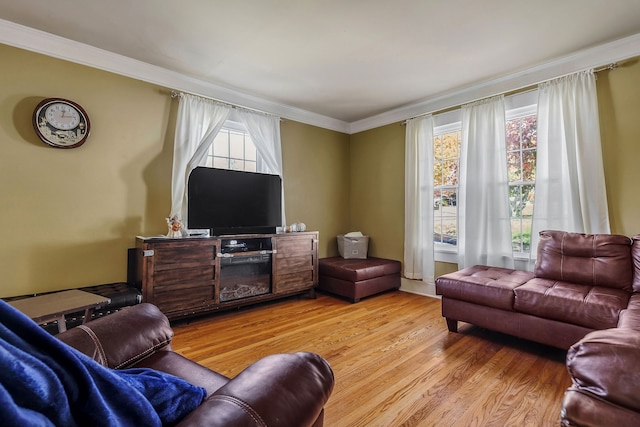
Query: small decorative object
61	123
175	226
295	227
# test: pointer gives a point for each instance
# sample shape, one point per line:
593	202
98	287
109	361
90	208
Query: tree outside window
521	168
446	149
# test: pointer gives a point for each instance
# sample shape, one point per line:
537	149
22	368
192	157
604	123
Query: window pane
236	164
250	166
221	144
450	172
437	147
513	135
451	145
513	166
528	195
236	145
249	150
529	165
221	162
437	174
529	132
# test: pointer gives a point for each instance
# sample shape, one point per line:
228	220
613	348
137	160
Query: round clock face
61	123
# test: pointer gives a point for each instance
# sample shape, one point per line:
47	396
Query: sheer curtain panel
484	223
265	134
418	216
570	186
199	121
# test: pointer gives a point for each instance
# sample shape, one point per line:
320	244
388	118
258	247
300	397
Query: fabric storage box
355	247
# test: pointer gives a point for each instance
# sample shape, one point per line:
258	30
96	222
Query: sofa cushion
594	307
587	259
480	284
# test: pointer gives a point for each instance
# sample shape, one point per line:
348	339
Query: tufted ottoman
358	278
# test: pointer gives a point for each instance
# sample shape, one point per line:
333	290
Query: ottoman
358	278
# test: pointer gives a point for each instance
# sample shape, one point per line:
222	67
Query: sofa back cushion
586	259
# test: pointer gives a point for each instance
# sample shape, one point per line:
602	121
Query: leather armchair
278	390
605	382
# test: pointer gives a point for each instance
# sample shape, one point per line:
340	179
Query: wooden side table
54	306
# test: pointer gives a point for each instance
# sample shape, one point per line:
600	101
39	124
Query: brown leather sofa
278	390
605	384
581	283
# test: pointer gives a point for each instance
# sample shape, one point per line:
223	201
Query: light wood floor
394	361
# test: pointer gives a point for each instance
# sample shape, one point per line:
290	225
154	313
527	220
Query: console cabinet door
179	276
296	262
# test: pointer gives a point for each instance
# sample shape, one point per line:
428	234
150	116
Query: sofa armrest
123	338
604	363
278	390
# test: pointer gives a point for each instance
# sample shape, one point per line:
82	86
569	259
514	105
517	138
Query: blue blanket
44	382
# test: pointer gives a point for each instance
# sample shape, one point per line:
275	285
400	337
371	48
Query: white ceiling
347	60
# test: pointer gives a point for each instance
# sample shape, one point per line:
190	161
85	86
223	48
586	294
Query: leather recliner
278	390
605	384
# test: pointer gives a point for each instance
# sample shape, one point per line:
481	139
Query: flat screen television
233	202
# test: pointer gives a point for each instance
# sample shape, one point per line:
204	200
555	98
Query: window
446	152
521	138
521	170
233	149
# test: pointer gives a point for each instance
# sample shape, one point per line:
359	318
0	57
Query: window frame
513	114
237	127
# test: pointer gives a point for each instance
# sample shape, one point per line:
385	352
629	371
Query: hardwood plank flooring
394	361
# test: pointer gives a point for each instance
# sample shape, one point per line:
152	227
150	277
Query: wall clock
61	123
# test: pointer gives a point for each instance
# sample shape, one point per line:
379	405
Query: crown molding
33	40
30	39
593	57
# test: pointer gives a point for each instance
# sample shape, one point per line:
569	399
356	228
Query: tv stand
196	275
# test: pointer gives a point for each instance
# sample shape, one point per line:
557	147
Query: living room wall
70	215
377	165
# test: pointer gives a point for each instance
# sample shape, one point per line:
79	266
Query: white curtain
265	134
484	226
199	121
418	214
570	187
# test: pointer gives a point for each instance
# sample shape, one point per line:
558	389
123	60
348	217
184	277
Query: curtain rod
176	94
609	67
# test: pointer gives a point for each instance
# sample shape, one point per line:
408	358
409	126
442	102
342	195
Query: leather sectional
583	295
581	283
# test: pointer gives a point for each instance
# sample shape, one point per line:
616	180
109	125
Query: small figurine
175	226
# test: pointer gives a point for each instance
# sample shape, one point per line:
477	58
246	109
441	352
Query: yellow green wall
377	189
316	181
70	215
619	108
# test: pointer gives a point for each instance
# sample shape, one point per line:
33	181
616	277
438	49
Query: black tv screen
233	202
